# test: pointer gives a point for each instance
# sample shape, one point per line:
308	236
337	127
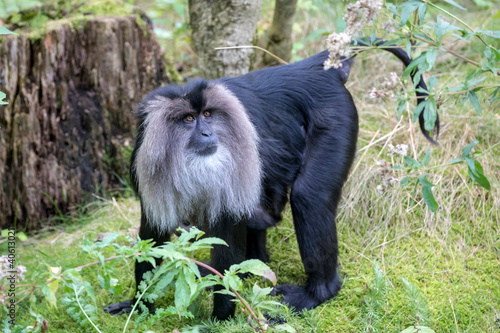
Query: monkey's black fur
307	124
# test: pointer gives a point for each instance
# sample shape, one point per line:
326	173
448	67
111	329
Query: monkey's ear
345	69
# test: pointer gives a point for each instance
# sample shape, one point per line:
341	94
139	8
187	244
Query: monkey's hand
117	309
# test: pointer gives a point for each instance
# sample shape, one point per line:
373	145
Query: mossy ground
452	256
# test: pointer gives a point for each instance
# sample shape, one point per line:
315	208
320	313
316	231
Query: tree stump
65	131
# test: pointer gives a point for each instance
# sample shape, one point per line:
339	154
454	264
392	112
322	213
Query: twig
55	239
397	238
107	259
115	204
19	300
253	47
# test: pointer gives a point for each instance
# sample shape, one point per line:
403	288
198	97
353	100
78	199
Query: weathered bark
223	23
280	34
70	95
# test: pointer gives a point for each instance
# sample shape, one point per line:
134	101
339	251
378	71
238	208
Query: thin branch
252	47
107	259
449	51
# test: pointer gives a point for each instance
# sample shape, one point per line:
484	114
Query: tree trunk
221	23
65	132
280	33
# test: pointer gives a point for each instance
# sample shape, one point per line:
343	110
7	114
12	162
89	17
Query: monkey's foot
296	297
117	309
310	296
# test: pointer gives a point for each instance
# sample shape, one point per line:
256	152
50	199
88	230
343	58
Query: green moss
36	20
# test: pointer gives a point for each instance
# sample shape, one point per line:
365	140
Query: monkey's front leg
222	257
146	231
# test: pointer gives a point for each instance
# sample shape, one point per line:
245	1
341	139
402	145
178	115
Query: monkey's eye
207	114
186	223
189	119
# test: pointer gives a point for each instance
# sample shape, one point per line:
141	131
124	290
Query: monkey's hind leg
314	198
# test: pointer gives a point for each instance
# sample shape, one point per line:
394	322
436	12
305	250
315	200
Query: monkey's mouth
206	151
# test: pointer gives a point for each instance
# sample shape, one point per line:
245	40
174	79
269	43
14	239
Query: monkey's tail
405	58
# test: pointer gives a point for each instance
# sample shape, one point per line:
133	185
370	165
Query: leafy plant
179	273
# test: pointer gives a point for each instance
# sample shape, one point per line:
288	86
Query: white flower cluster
6	271
5	268
387	175
389	26
361	13
357	15
387	87
400	149
339	45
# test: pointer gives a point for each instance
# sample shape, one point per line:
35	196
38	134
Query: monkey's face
202	138
197	156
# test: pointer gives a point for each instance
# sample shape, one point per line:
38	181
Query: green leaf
404	182
456	160
401	108
2	96
427	157
255	267
259	292
232	282
182	293
408	47
453	3
441	28
471	95
418	110
422	9
49	294
411	162
164	282
468	148
205	243
432	82
393	9
491	33
5	31
430	114
476	173
429	199
22	236
430	57
408	8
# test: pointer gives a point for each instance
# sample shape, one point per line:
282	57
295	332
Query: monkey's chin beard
201	188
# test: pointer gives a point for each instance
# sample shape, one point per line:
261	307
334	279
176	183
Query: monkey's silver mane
176	184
